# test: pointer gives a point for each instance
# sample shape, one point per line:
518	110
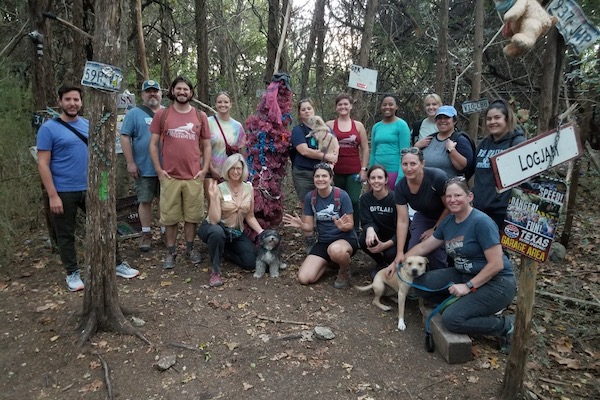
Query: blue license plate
102	76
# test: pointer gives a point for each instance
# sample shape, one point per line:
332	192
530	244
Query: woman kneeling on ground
483	276
378	238
231	203
330	210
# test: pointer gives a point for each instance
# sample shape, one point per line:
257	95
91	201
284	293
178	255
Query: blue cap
448	111
150	84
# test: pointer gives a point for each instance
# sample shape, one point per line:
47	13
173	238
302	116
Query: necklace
235	192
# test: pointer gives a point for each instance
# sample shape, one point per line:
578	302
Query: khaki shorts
181	200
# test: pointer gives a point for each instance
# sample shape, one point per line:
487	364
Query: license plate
102	76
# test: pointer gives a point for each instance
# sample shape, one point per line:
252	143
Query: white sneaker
125	271
74	282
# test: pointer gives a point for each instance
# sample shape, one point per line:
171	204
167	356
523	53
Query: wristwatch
471	287
450	150
364	168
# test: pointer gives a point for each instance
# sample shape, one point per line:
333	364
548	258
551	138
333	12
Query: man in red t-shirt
180	151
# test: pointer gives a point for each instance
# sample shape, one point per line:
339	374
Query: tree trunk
280	57
442	53
320	62
202	42
363	55
272	39
141	42
43	86
318	23
78	56
477	67
165	69
101	310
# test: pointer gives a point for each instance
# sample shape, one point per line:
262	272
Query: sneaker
507	337
74	282
194	256
146	242
169	262
341	281
125	271
215	279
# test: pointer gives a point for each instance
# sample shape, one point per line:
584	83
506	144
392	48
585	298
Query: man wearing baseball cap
135	141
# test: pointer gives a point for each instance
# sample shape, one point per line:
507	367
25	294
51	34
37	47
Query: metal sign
532	216
533	156
472	107
102	76
363	78
126	100
578	32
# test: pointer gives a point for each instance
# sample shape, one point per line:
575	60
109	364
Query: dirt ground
244	340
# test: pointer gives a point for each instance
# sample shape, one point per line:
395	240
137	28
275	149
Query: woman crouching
483	277
330	210
231	203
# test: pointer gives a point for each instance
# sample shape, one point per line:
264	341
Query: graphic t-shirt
325	211
180	145
467	241
136	125
234	133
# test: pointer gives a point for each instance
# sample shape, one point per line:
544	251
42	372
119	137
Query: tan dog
412	268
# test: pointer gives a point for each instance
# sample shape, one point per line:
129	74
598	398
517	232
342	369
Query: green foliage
19	182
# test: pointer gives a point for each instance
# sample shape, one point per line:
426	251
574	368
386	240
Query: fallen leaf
231	345
247	386
54	338
47	306
347	367
473	379
165	283
563	345
94	364
92	387
40	264
568	362
241	306
279	356
188	377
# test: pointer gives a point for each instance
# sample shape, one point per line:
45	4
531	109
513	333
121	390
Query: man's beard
187	99
153	102
71	114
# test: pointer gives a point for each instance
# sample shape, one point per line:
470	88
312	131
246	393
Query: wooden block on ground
454	347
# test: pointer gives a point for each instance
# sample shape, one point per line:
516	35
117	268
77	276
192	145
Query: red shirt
349	157
180	144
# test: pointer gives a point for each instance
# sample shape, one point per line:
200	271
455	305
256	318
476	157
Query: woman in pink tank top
353	158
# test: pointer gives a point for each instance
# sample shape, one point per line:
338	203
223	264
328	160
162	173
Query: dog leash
429	344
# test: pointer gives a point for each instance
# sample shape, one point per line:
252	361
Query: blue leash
429	344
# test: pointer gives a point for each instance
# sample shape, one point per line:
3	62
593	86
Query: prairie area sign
536	155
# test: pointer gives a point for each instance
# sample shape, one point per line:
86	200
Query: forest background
417	47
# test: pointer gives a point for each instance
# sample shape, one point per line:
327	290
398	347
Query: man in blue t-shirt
63	166
135	141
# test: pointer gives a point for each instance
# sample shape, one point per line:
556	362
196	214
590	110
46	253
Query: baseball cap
448	111
150	84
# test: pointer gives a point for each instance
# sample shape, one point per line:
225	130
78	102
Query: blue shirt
69	155
325	212
298	137
466	242
135	125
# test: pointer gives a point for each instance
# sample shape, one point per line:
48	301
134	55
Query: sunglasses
411	150
458	178
322	165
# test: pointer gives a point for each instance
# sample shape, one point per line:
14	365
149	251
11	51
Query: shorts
303	182
147	188
181	200
320	249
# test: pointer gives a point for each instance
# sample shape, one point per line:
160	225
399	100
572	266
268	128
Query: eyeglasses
411	150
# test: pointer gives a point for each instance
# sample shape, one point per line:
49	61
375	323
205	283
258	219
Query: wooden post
512	384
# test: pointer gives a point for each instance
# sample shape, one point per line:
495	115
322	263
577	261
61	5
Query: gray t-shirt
467	241
436	156
325	212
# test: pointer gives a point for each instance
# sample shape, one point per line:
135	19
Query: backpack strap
337	200
414	135
75	131
147	110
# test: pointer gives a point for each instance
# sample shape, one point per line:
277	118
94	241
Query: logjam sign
532	216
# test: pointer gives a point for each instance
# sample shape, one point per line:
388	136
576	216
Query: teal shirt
386	142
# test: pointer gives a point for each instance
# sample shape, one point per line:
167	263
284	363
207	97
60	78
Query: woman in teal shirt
388	137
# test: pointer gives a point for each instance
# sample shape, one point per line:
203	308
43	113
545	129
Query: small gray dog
268	254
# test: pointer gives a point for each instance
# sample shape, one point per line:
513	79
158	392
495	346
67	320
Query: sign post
512	167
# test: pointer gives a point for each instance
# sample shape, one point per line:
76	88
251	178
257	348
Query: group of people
416	201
